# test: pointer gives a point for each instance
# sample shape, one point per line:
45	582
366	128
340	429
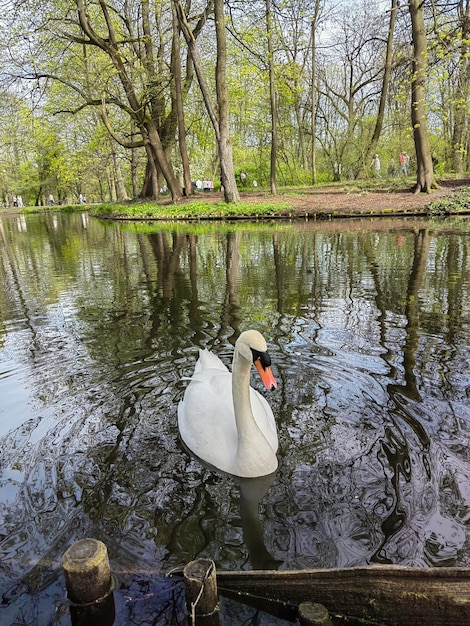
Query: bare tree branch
122	142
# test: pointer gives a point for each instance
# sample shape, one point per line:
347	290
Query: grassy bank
66	208
190	210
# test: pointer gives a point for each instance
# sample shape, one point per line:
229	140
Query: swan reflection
252	490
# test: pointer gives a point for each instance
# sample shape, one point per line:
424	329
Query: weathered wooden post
200	579
314	614
89	583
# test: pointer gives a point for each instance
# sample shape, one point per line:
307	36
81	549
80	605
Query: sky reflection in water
368	329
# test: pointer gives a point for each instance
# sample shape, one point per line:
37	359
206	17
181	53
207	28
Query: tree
425	174
110	44
460	140
349	79
313	87
225	146
272	98
176	64
385	83
218	116
17	172
104	51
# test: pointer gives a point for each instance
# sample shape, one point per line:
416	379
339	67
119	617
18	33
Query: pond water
368	327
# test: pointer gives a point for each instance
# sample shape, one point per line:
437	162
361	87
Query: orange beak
266	376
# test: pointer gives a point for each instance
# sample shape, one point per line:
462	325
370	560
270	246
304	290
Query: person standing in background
376	166
403	159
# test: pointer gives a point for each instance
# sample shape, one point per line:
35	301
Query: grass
66	208
190	210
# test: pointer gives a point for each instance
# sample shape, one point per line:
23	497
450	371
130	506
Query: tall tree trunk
134	170
300	131
313	95
463	89
425	175
161	136
111	185
120	186
176	64
225	147
385	83
151	186
197	63
161	161
313	87
272	99
219	118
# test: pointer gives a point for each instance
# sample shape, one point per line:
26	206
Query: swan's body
223	420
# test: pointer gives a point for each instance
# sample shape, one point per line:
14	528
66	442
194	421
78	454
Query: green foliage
68	208
190	210
459	203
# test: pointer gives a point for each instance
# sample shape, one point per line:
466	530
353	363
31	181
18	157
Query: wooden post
201	590
89	583
313	614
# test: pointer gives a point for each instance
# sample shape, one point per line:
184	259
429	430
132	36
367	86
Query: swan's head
251	345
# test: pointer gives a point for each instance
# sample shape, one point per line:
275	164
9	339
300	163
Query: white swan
223	420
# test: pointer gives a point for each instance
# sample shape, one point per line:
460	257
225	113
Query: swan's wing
264	417
208	360
205	416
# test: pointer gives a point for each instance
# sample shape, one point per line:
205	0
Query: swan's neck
254	455
248	431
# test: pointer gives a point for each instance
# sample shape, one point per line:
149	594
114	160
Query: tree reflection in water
368	330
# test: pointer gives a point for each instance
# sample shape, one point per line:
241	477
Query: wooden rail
389	595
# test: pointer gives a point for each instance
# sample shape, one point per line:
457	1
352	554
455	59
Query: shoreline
346	201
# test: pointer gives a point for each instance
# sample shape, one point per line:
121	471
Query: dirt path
348	201
338	201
